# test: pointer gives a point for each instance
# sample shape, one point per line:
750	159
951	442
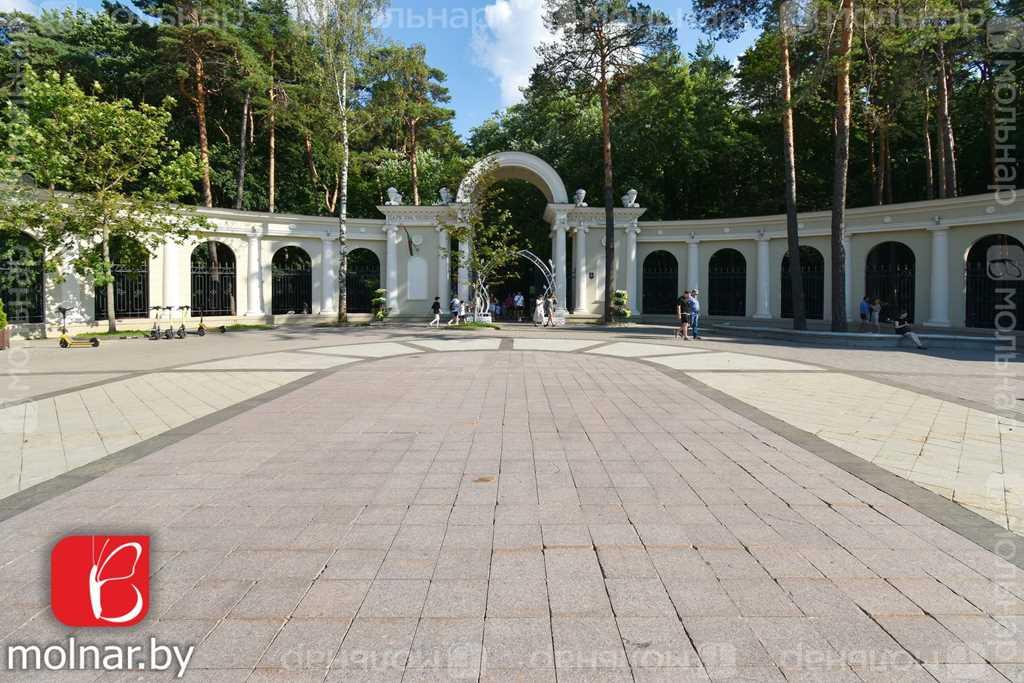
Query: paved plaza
392	504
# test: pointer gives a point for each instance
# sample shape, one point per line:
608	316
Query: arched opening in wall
130	269
22	279
292	282
523	204
994	274
213	279
727	283
889	276
812	263
362	279
661	283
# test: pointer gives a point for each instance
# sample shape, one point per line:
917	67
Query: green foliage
3	316
620	305
380	305
112	175
496	244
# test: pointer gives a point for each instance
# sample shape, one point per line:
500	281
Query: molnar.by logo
100	580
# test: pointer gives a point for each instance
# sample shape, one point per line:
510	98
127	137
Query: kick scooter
66	341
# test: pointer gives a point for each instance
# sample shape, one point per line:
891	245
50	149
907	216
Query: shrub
3	316
380	305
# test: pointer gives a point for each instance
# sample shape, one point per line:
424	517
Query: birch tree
342	31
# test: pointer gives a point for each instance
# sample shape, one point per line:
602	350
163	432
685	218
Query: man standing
695	313
520	303
865	313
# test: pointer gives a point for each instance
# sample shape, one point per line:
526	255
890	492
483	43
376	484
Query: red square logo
100	580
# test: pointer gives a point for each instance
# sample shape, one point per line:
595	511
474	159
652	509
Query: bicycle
67	341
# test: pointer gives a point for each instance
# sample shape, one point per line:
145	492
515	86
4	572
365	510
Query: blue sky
485	46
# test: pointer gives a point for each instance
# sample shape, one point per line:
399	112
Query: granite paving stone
468	517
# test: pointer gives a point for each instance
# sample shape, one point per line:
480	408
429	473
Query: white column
254	294
693	264
940	278
764	279
172	297
558	251
329	275
631	233
392	267
463	270
443	266
579	250
848	291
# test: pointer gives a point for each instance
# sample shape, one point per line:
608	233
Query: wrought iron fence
727	285
362	279
661	283
213	289
131	293
22	290
985	296
893	284
292	288
813	268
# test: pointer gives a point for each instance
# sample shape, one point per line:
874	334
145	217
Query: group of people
871	318
512	308
688	313
457	308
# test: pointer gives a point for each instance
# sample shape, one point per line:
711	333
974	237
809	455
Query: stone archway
516	166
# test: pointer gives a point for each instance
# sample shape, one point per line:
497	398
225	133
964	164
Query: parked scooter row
171	331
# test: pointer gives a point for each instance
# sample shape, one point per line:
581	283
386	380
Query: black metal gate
889	276
812	263
362	278
727	284
990	285
213	280
22	280
292	286
131	293
661	283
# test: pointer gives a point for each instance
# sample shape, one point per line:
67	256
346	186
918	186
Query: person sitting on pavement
903	328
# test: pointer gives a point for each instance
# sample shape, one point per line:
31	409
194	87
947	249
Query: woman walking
683	313
538	311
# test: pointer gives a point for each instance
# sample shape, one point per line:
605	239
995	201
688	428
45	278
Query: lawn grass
474	326
123	334
335	323
244	328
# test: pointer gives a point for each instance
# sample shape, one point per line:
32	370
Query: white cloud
506	44
25	6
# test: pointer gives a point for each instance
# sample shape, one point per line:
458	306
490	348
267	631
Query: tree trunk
272	154
888	170
946	125
413	165
243	142
883	162
988	78
929	170
609	199
111	313
792	224
204	140
876	181
342	94
940	141
842	166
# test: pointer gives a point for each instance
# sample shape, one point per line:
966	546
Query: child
436	309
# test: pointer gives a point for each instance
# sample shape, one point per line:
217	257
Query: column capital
937	228
633	229
763	236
